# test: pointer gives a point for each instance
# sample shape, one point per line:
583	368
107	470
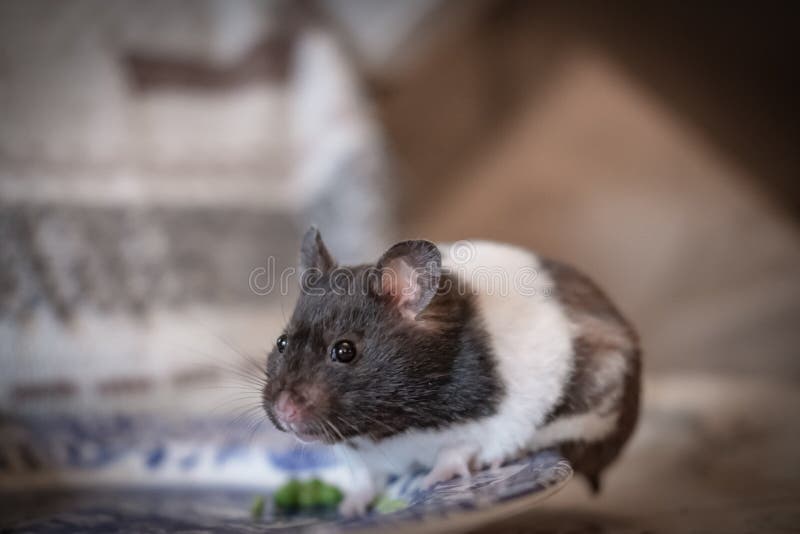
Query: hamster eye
282	342
343	351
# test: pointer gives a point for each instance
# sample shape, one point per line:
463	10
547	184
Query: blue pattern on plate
301	459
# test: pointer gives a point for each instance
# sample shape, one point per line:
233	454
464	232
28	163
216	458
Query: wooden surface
710	455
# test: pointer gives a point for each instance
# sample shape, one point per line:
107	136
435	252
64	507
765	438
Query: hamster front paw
450	463
356	502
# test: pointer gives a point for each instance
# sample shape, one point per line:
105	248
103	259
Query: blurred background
154	154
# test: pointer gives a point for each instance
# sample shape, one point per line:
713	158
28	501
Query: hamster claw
443	474
450	463
495	465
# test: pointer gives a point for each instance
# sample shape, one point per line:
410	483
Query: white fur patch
589	426
612	371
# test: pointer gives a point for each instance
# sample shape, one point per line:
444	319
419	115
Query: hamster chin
303	437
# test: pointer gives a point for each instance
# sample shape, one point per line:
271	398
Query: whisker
243	418
255	428
371	436
348	424
251	375
388	427
241	401
330	423
341	450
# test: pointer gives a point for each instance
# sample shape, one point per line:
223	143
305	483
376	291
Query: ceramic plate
145	474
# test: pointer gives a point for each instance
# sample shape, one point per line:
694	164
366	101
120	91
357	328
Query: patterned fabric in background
152	156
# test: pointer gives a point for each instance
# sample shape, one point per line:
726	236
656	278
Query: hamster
452	357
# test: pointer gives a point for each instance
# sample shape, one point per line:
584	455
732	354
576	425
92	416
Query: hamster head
368	349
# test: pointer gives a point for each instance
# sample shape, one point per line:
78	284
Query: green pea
308	496
257	509
386	505
287	496
329	496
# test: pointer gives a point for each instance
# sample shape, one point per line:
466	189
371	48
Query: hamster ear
314	254
409	275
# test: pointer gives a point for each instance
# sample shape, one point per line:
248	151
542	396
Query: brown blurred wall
650	146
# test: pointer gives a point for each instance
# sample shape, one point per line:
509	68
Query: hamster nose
287	409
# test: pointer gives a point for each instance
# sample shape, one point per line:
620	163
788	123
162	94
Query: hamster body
500	353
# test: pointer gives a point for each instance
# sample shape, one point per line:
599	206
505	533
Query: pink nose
287	409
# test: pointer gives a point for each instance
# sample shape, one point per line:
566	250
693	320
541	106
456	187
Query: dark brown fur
601	333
